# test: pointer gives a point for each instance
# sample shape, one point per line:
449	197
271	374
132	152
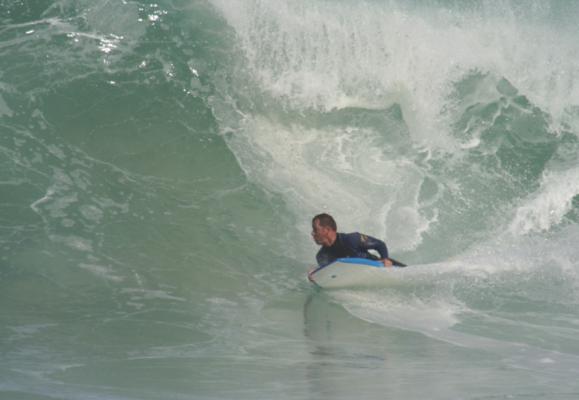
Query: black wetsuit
352	245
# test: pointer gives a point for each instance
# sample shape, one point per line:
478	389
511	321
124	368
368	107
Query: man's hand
387	262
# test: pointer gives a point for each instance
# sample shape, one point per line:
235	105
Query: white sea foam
150	294
340	171
426	316
548	206
327	56
102	271
4	109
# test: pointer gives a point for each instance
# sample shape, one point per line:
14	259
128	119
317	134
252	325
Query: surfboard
352	272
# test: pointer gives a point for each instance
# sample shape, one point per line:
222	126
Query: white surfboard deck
354	272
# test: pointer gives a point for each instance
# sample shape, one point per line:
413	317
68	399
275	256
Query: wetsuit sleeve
371	243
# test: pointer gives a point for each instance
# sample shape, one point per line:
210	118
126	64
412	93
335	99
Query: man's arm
371	243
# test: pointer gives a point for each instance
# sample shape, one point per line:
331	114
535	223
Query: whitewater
160	164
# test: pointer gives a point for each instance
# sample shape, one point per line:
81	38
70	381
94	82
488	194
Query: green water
160	164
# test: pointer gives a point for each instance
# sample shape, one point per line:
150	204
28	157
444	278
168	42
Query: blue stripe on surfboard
361	261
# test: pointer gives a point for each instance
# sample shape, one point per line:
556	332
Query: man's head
324	230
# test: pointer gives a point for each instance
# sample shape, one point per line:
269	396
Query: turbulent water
160	164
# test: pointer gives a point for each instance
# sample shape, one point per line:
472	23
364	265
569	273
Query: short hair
325	220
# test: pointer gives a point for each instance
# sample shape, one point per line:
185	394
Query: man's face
319	233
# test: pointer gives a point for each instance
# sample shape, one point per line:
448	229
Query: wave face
160	164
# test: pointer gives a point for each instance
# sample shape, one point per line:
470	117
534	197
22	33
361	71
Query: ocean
160	164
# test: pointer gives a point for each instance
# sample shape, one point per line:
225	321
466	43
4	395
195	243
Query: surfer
343	245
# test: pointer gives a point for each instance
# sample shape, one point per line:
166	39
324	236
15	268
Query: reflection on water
351	358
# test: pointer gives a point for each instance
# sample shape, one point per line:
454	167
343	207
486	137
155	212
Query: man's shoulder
351	235
323	256
322	250
357	238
